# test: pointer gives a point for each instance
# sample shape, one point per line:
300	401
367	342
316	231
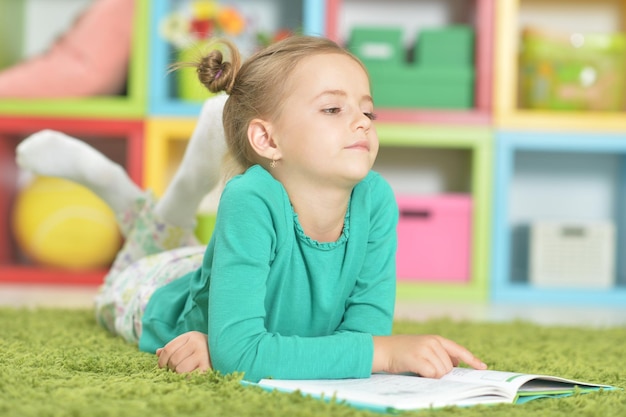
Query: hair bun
215	72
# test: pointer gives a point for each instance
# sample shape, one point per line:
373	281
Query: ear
261	140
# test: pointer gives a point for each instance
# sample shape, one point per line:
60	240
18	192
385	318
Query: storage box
572	71
445	47
572	255
434	235
441	75
376	46
407	87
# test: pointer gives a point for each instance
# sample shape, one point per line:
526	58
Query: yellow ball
59	223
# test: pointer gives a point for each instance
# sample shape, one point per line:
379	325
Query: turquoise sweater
276	303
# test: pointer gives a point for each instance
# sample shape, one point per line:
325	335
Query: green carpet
60	363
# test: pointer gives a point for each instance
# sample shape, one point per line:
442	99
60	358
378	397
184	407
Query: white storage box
572	255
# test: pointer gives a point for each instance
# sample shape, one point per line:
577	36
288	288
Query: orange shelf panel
19	274
121	140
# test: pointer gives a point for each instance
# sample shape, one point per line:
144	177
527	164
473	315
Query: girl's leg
122	300
169	223
150	228
199	171
154	254
55	154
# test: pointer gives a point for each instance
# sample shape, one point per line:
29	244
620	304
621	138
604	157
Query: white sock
199	171
55	154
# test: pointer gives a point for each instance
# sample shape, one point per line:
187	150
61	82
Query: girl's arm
370	307
426	355
239	340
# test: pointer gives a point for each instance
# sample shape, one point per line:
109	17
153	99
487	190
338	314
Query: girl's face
325	130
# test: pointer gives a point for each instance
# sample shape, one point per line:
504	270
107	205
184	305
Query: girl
298	280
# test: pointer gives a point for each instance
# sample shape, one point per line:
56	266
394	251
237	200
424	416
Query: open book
460	387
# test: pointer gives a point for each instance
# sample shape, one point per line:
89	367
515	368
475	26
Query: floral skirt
154	254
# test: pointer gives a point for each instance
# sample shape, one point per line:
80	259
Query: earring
273	163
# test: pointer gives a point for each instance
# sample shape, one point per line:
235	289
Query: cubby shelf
121	140
154	126
478	141
130	106
506	285
507	113
27	275
555	139
483	22
163	100
166	139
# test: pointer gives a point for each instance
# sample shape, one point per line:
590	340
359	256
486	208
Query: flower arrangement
203	20
192	25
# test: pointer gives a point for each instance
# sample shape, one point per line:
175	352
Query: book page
402	392
510	381
518	383
460	387
551	384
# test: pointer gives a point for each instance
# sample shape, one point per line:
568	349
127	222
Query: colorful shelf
130	106
121	140
508	115
506	284
163	98
483	22
478	141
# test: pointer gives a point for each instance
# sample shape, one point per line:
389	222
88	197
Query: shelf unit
478	142
496	139
509	281
112	124
163	100
441	130
559	147
121	140
510	17
166	140
480	16
130	106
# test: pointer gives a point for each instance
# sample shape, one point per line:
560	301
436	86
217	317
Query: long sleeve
370	307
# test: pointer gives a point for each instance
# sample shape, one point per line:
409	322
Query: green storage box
441	76
409	87
563	71
376	46
445	47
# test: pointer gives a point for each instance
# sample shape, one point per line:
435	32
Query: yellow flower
204	10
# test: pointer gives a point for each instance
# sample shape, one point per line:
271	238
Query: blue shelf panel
508	283
313	21
162	99
563	141
526	294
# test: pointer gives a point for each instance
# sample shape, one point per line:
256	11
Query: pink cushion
90	59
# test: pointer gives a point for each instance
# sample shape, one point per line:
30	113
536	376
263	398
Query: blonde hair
257	88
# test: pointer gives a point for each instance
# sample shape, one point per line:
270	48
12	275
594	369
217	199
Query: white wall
46	20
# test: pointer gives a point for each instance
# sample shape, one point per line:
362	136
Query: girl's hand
186	353
426	355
